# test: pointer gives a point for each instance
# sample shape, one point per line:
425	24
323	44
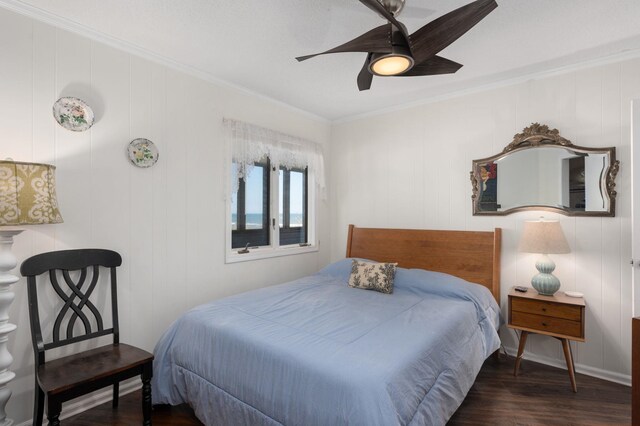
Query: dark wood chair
71	376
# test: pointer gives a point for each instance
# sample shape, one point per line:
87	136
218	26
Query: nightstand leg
523	341
568	356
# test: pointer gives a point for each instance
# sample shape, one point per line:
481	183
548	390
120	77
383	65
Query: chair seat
71	371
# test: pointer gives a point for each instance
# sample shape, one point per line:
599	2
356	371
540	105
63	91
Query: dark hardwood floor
129	413
540	395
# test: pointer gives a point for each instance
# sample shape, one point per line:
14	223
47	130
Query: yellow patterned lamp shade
28	194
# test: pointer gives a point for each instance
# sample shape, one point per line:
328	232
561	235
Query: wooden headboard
472	256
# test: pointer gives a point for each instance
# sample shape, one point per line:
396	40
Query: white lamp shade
543	237
28	194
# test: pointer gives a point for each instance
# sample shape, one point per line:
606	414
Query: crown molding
500	82
62	23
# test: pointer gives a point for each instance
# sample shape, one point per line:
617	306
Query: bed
317	352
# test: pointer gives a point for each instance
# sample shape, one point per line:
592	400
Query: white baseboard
83	404
612	376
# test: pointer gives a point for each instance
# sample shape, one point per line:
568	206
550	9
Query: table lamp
544	237
27	197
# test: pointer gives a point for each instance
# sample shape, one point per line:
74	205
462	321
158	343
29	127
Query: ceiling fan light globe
390	64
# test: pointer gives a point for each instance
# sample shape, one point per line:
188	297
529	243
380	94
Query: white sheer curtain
250	143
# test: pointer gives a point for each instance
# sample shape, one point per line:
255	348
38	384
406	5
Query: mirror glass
572	180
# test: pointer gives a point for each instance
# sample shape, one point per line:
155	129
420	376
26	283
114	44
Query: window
268	192
271	204
250	209
293	206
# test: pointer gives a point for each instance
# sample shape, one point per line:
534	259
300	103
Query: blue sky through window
296	182
253	193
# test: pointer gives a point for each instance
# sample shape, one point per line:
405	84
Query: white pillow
372	276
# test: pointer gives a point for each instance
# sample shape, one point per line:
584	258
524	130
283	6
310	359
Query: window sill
267	253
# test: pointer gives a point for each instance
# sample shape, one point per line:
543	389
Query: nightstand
558	316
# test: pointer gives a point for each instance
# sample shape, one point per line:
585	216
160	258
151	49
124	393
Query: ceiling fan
393	52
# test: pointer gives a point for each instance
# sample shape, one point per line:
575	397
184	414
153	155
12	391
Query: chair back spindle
74	294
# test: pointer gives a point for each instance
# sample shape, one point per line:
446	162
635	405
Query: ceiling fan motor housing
393	6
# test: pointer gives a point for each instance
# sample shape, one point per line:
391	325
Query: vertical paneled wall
168	221
410	168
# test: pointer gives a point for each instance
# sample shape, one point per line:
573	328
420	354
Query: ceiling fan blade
378	40
365	77
433	66
377	7
438	34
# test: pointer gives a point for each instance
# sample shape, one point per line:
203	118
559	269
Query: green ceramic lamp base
545	282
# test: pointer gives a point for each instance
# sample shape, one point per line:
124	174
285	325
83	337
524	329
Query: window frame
274	249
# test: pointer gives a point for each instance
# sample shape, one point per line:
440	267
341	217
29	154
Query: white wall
168	222
410	169
635	202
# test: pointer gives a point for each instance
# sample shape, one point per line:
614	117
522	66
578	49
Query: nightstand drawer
548	324
550	309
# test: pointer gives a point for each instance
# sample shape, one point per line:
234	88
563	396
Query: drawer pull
544	324
544	309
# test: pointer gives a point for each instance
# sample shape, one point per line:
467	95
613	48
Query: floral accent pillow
372	276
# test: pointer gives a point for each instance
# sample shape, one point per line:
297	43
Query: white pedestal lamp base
7	262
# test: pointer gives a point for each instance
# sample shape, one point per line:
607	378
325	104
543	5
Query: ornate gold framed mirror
541	170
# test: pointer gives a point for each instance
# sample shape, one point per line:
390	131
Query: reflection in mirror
542	171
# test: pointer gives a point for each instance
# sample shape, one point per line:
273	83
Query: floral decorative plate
73	114
142	152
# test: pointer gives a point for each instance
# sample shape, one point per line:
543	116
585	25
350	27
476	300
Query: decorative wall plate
73	114
142	152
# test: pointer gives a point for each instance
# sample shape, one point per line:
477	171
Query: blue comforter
317	352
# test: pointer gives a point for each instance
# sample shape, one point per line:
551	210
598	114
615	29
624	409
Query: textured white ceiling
253	43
